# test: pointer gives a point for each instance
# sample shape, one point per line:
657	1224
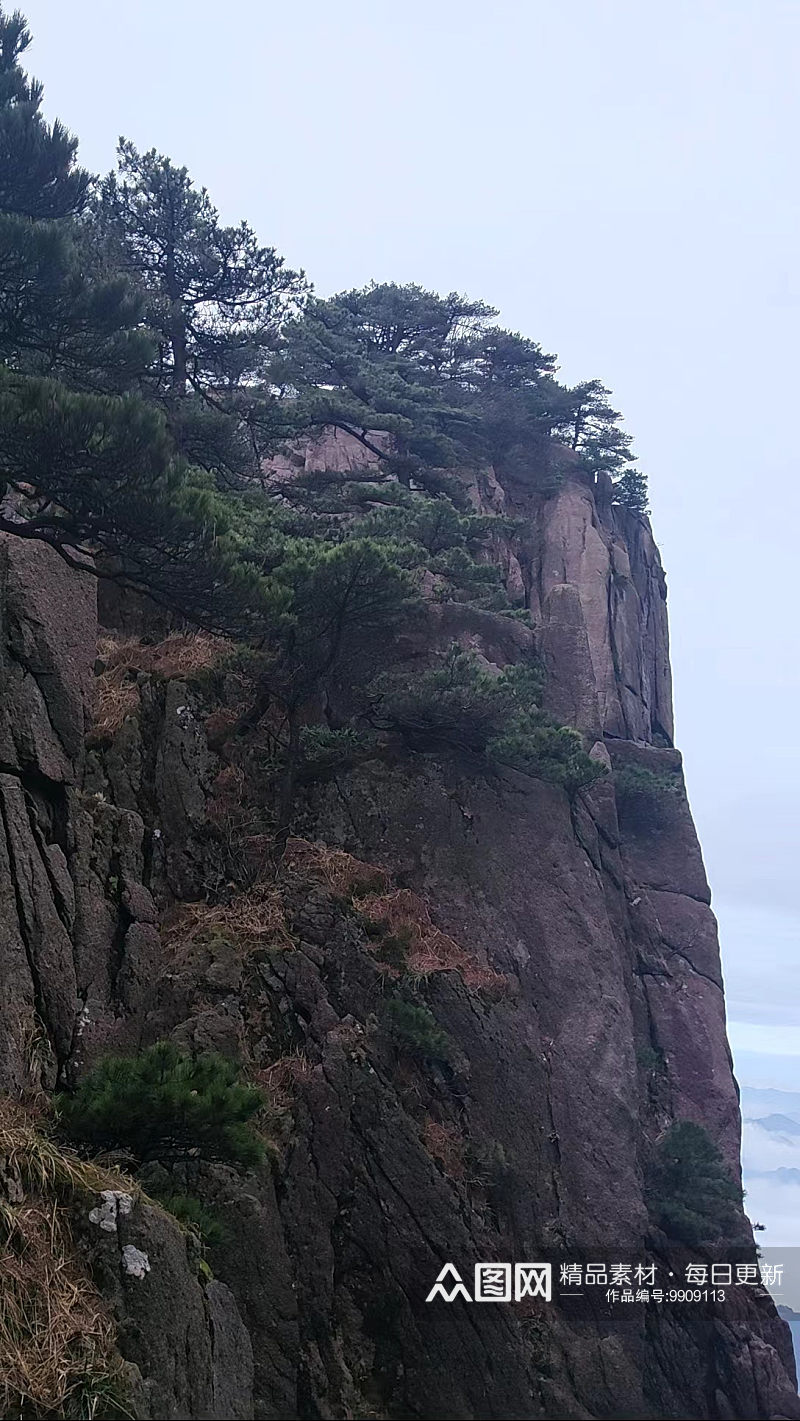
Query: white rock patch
115	1205
135	1263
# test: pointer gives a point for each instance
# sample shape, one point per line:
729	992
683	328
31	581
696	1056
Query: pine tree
431	372
87	464
344	369
216	300
592	429
39	178
58	317
690	1193
630	491
458	709
442	386
342	601
68	343
165	1105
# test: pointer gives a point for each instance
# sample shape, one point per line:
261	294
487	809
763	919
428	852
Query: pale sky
620	179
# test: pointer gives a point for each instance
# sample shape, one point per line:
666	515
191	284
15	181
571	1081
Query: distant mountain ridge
760	1104
784	1174
776	1124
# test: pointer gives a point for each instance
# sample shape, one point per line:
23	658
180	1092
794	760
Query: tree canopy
417	366
154	360
39	177
691	1194
215	300
447	385
166	1105
151	356
86	460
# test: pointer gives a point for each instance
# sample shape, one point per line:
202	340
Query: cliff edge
565	948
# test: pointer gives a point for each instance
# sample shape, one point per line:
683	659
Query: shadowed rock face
580	550
530	1133
47	639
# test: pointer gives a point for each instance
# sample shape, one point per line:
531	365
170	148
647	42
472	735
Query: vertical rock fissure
36	984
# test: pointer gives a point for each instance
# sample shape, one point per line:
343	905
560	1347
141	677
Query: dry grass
282	1080
56	1336
179	654
45	1167
54	1329
445	1144
343	874
402	913
220	724
116	694
252	919
406	915
115	698
237	821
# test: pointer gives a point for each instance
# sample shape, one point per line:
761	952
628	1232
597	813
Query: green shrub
540	747
96	1393
414	1028
460	707
322	749
457	705
194	1215
638	779
478	583
165	1105
650	1058
630	490
518	614
691	1196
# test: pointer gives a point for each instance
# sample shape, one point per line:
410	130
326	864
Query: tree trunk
177	331
287	790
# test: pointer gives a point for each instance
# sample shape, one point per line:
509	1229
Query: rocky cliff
566	950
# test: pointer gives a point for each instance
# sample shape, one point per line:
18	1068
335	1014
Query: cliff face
578	982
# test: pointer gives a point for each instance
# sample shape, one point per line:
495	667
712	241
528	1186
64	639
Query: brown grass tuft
445	1144
220	724
339	871
116	694
406	915
399	911
179	654
56	1335
282	1079
254	918
44	1166
114	699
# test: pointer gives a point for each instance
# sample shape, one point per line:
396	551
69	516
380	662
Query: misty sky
620	179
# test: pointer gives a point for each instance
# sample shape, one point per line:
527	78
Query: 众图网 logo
495	1283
